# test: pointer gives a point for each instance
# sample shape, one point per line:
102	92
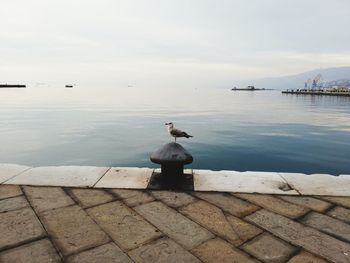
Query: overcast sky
169	43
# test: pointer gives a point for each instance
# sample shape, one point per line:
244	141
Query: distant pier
318	92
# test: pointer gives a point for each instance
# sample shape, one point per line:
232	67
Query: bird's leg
175	139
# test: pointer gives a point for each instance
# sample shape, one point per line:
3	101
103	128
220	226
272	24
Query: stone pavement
54	224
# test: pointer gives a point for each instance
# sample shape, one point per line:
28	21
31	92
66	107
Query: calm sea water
245	131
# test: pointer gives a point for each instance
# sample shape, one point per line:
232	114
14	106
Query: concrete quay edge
204	180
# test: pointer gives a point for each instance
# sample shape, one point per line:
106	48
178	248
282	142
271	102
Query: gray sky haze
158	43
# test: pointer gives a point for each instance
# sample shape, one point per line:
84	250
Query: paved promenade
55	224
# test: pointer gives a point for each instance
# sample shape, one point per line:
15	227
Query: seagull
176	133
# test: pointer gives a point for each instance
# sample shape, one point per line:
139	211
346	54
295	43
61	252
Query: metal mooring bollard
172	157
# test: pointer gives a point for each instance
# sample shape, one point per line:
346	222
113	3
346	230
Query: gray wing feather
179	133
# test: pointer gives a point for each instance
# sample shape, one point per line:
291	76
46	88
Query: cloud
230	39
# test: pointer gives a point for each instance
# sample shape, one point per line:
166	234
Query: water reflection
264	131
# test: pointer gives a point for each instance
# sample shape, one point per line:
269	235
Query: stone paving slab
102	254
174	225
213	219
90	197
172	198
46	198
19	226
124	177
297	234
73	176
342	201
133	197
275	204
340	213
72	230
308	201
306	257
244	230
13	203
228	203
127	229
241	182
319	184
328	225
7	191
269	249
218	250
162	250
7	171
37	251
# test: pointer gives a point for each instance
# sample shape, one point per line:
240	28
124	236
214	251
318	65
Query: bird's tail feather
187	135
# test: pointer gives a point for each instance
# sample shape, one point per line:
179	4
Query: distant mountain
338	82
330	75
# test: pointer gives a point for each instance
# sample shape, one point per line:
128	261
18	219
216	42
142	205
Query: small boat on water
69	86
249	88
12	86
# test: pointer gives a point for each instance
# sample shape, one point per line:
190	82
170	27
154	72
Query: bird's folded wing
177	133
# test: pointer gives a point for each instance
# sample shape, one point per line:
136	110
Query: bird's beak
166	123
